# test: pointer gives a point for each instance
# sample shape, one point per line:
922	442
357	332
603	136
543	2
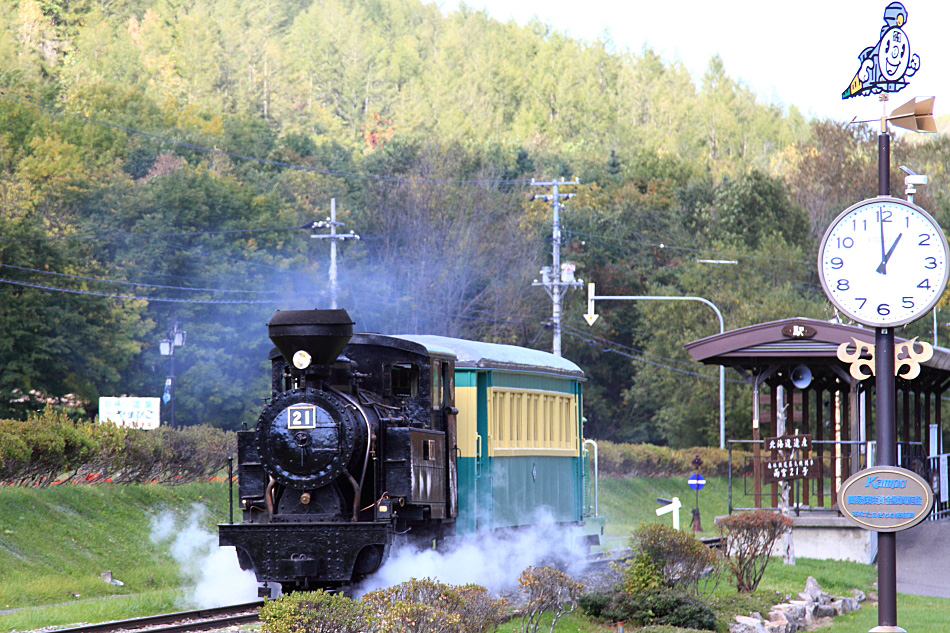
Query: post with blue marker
696	482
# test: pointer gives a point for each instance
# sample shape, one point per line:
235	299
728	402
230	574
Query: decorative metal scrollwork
854	358
911	360
906	359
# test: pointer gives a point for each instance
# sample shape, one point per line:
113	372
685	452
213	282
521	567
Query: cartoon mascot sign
886	66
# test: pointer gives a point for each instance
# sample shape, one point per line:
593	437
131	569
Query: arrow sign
674	507
696	482
590	317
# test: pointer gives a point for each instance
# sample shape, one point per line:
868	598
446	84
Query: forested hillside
159	158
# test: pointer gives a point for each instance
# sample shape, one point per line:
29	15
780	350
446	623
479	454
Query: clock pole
885	431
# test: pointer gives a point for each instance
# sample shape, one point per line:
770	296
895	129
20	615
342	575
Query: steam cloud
493	560
213	577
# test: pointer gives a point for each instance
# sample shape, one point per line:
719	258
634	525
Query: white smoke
212	575
493	560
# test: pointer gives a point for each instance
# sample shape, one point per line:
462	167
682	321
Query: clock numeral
931	263
837	263
924	239
907	303
925	284
845	242
863	300
883	309
843	285
884	215
864	224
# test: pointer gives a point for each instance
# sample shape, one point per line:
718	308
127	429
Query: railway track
181	622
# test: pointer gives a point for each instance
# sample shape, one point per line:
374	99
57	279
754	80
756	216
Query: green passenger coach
521	455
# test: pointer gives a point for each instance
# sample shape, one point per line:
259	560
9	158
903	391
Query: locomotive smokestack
320	333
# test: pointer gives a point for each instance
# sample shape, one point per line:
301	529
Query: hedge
50	448
647	460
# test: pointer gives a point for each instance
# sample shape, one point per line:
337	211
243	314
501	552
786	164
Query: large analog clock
883	262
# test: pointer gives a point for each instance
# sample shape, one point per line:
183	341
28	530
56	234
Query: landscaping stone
802	614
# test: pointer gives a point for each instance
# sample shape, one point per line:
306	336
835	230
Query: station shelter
801	387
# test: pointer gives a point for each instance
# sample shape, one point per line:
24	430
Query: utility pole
334	237
557	278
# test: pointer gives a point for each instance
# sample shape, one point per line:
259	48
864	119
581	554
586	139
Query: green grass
93	610
55	542
628	502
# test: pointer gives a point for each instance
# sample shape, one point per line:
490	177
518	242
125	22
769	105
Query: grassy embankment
55	542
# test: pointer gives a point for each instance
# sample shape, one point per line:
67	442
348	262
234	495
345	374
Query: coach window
437	385
404	380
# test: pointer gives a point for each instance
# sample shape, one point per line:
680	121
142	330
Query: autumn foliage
749	539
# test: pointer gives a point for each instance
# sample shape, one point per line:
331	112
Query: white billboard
136	413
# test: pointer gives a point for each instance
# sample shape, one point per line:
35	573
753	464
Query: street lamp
591	316
175	337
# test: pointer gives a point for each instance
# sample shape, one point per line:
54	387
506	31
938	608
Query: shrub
546	589
642	574
435	606
749	538
680	559
654	607
316	612
414	617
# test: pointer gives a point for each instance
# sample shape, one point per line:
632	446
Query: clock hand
880	223
883	267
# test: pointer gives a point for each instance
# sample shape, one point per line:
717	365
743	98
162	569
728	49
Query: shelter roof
796	340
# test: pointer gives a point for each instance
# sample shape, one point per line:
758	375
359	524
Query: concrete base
828	536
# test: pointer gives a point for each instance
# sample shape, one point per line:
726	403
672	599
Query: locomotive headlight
301	359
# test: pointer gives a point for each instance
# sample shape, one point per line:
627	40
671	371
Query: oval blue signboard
697	481
885	499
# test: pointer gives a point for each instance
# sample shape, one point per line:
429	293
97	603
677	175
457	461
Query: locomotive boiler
361	442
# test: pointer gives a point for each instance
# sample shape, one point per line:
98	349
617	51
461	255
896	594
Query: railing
836	461
939	466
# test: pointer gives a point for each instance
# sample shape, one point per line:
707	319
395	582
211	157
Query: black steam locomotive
348	451
358	444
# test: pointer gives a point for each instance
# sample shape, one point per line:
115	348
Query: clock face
883	262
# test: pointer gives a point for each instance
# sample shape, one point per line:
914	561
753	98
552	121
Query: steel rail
180	622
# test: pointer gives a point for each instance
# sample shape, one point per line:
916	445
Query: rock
849	604
859	595
807	610
746	624
812	590
825	611
778	623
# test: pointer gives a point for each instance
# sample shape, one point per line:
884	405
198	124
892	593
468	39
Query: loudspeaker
801	377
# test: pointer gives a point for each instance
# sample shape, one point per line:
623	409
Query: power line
132	283
132	297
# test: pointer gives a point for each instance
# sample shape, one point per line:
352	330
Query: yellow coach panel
528	422
466	401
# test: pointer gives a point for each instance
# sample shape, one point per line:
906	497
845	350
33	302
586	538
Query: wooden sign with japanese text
788	459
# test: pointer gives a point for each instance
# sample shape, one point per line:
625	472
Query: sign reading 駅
789	459
885	499
136	413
